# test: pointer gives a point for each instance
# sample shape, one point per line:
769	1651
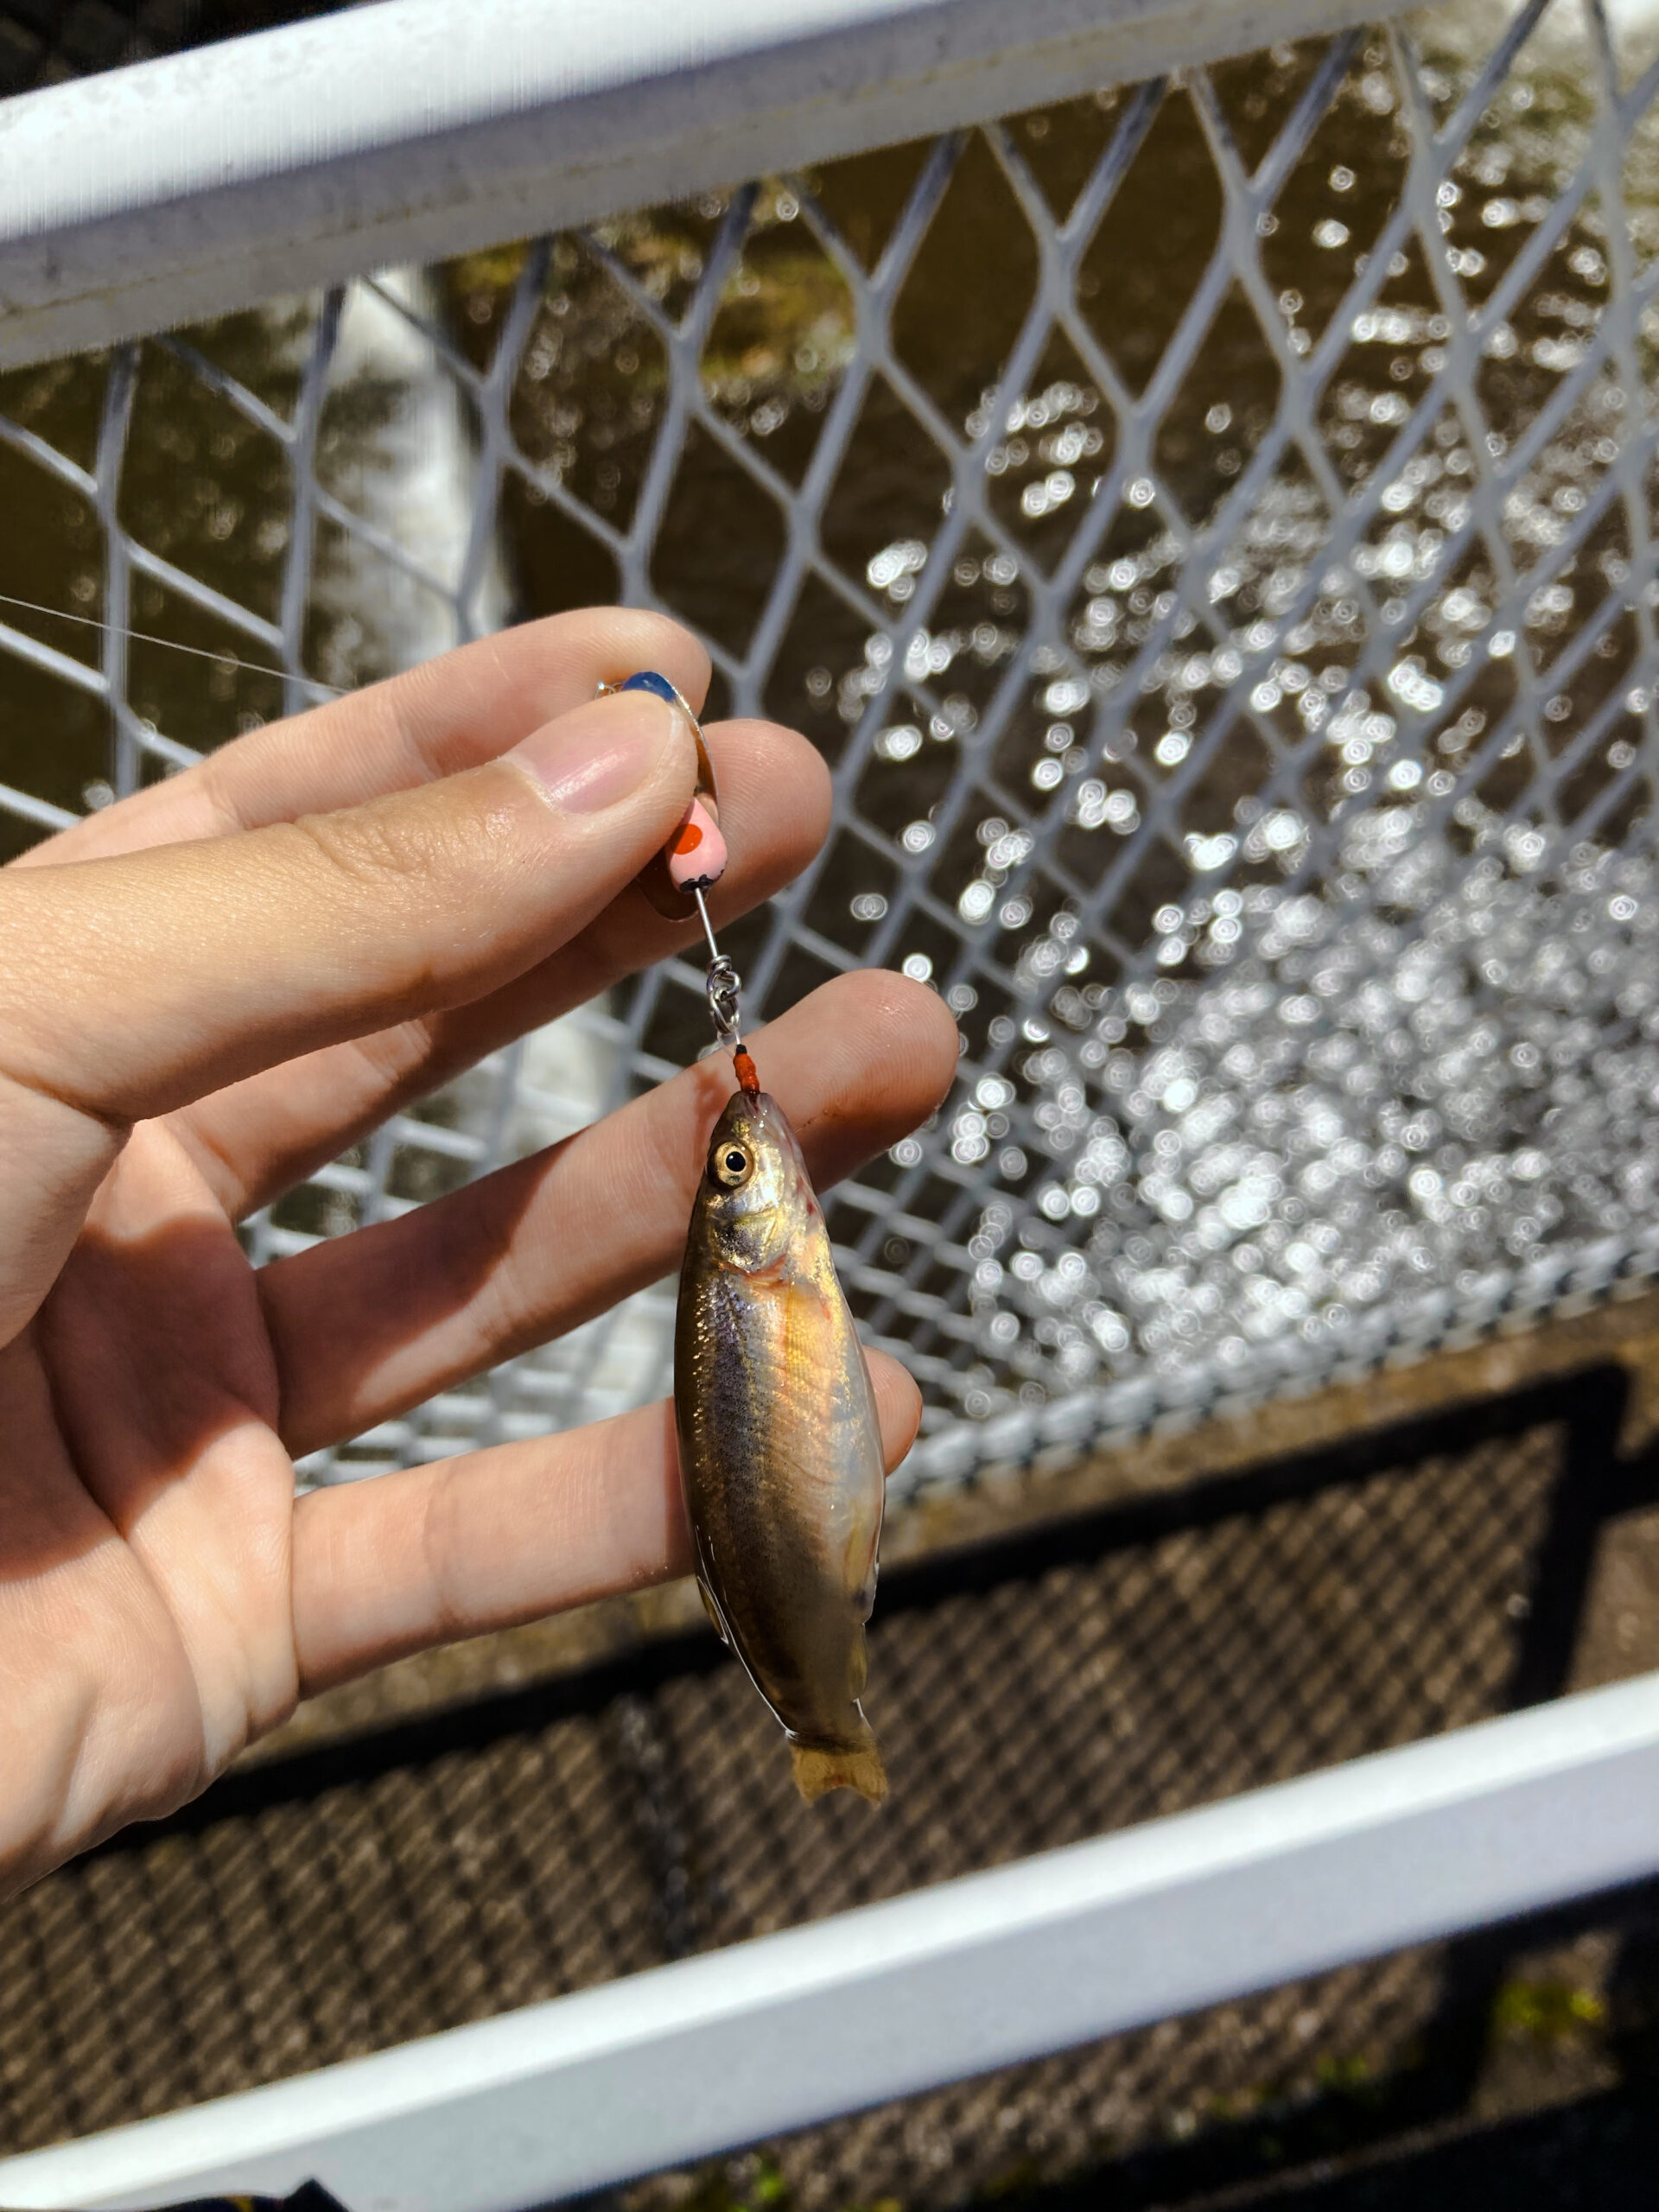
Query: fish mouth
779	1127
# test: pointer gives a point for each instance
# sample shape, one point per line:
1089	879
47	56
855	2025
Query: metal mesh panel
1208	526
399	1884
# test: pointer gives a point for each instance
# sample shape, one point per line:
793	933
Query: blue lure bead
648	680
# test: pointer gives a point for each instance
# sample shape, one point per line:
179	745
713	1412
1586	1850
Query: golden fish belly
782	1465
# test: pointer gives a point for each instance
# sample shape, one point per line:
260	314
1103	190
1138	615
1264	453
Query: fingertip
774	786
898	1407
858	1064
908	1031
615	751
930	1033
631	639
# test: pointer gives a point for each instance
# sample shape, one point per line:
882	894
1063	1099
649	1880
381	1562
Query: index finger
456	712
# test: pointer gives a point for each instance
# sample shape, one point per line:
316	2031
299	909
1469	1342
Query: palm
223	1017
166	1487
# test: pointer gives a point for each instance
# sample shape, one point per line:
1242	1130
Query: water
1282	1010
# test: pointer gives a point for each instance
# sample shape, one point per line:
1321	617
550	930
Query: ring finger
492	1538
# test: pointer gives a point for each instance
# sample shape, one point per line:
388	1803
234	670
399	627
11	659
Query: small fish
780	1452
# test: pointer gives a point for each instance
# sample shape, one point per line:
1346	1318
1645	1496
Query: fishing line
170	645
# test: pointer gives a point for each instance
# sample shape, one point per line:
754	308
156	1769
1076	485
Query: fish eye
731	1164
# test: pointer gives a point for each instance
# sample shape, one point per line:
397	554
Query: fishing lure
694	859
780	1452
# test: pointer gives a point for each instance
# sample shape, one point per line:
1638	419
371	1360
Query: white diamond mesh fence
1208	525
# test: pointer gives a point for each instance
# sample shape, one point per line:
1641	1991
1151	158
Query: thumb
131	985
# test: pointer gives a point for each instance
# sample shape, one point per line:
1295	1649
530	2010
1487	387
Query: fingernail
599	754
696	853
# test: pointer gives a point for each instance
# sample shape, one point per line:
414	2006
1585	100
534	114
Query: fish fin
864	1595
713	1611
856	1766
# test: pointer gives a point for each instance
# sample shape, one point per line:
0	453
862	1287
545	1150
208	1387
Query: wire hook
724	985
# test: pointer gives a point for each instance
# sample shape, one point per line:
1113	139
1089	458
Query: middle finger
367	1325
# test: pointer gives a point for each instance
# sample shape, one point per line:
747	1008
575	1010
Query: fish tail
847	1766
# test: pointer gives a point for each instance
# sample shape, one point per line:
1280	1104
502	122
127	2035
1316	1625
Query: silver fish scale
1263	774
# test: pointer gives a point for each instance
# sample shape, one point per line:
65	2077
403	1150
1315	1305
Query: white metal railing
182	188
1371	1063
693	2058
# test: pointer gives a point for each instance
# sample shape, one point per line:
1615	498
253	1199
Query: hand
213	987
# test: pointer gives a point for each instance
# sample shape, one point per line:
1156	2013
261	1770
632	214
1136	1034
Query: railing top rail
197	184
1533	1809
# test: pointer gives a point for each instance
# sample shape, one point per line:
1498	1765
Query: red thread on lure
748	1079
